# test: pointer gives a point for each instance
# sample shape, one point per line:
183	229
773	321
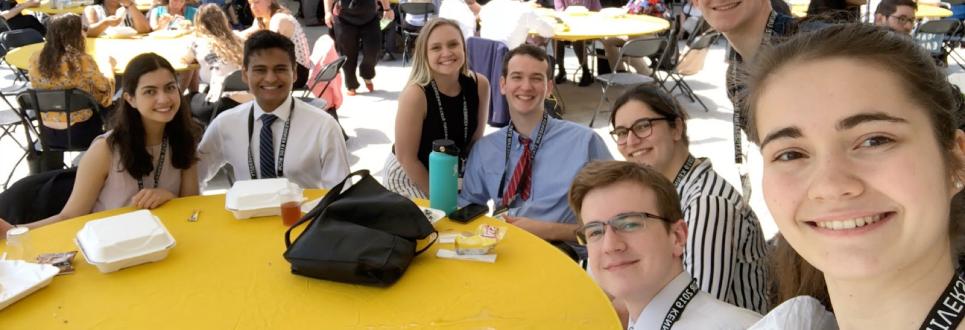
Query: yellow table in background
227	273
76	7
593	25
123	50
800	9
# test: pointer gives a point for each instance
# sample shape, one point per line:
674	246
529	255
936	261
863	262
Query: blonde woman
217	49
443	100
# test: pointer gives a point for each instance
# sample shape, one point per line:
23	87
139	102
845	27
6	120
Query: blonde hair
212	24
421	74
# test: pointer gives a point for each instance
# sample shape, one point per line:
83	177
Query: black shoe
560	77
586	79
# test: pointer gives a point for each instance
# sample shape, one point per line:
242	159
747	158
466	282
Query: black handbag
364	235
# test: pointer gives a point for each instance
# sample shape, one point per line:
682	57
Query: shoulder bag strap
329	198
435	235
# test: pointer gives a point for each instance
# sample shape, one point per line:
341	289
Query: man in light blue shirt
535	191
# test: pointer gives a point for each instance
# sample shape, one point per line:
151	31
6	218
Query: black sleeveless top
432	125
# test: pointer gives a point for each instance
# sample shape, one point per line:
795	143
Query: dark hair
598	174
887	51
63	37
834	10
658	100
128	133
888	7
264	40
536	53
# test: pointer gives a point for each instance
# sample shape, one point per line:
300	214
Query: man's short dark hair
264	40
888	7
536	53
658	100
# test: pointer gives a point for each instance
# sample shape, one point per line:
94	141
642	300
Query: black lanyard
442	114
280	164
688	165
947	312
532	154
678	306
158	168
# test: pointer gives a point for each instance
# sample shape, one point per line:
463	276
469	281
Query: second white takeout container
255	198
124	240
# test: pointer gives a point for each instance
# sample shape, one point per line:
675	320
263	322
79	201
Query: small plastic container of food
482	242
255	198
124	240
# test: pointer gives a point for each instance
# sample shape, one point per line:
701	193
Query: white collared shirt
703	311
316	155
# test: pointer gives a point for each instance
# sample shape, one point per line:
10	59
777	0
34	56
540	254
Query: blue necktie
267	147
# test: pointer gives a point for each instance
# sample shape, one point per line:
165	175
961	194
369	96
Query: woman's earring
959	184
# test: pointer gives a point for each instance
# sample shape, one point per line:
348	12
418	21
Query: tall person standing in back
355	21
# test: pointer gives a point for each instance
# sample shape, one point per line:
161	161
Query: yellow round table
227	273
123	50
594	25
142	5
800	9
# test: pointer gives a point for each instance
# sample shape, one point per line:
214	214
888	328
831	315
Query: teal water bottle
443	175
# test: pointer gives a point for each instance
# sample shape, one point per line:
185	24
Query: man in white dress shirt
635	236
275	135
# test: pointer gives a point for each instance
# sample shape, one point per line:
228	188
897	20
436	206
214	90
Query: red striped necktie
522	179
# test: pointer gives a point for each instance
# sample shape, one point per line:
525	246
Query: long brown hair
212	24
64	37
925	83
127	137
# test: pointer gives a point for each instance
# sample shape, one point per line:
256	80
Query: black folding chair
75	136
410	32
690	63
232	83
326	75
13	39
938	38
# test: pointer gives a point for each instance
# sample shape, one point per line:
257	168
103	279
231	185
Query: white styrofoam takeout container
19	279
124	240
255	198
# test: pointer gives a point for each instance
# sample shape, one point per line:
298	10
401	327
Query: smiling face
525	85
157	97
656	150
729	16
853	173
639	263
445	51
269	76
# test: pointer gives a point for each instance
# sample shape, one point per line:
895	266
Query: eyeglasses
593	232
904	19
642	128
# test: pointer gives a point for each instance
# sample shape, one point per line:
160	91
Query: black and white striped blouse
725	250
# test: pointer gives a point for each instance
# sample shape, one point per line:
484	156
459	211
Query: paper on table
450	254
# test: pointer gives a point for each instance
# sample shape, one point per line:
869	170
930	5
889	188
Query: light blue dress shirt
565	149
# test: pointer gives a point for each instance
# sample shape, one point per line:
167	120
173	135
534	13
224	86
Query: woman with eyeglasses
635	236
726	252
862	170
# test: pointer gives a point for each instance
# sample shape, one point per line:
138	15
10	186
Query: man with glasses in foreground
635	237
898	15
727	252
